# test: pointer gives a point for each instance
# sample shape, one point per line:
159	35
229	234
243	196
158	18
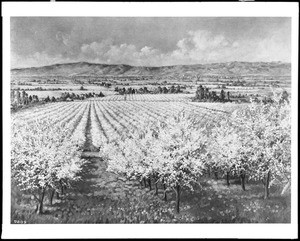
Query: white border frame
134	9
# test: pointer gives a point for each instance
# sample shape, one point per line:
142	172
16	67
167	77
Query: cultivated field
82	186
150	97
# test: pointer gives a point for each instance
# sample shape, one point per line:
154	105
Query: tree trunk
144	180
216	175
165	192
267	181
57	195
61	187
51	196
286	187
62	190
149	183
39	208
243	181
227	178
177	191
156	188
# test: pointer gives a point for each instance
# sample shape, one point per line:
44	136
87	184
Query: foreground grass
102	197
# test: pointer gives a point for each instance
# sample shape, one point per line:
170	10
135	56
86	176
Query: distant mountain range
93	69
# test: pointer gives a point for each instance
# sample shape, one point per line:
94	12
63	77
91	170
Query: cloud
106	52
272	48
196	47
36	59
62	37
201	47
205	47
96	49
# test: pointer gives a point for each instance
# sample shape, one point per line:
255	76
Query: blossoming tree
43	157
171	150
266	129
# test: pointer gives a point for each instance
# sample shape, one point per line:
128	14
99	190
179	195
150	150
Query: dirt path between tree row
105	197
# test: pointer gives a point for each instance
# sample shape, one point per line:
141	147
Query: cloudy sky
39	41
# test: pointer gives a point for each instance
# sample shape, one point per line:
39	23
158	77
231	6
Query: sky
148	41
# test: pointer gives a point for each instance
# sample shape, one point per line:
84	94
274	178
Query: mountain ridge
96	69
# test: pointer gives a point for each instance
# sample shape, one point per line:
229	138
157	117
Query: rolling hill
93	69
